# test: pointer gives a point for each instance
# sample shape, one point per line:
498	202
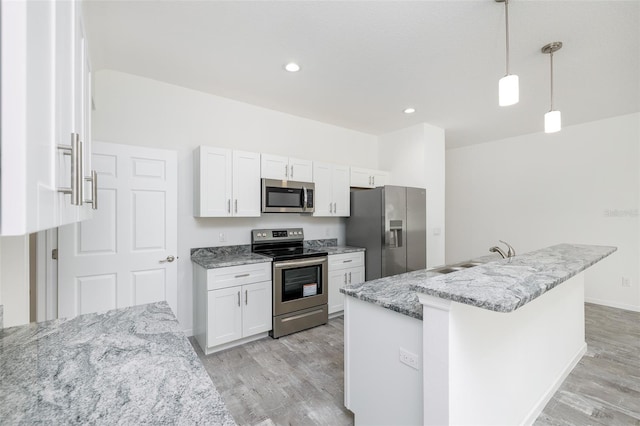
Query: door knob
168	259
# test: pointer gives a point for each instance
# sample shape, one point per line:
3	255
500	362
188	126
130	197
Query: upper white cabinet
227	183
286	168
45	103
332	189
368	178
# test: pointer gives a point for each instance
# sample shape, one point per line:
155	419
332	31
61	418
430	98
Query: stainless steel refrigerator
391	223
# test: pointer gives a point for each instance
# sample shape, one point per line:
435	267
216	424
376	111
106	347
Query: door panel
256	315
224	316
129	238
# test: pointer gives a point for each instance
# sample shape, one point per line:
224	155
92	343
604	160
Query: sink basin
447	269
468	264
456	267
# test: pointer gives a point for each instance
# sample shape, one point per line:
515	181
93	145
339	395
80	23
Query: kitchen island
483	345
125	366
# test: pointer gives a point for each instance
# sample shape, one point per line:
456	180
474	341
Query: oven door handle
296	263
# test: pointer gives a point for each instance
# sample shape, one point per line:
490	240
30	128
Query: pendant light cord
551	62
506	15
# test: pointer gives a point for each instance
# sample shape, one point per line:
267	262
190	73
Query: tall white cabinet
227	183
332	189
45	103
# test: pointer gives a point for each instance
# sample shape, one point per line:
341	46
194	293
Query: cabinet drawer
346	260
230	276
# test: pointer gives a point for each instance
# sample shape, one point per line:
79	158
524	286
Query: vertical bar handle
229	206
94	189
246	297
77	177
345	278
236	205
238	298
292	171
349	277
286	170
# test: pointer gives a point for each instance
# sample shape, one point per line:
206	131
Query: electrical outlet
409	359
222	237
626	282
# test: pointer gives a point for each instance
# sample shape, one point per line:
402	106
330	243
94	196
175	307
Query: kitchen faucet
510	253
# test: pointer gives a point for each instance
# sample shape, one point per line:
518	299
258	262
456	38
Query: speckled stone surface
126	366
342	249
331	242
220	257
499	285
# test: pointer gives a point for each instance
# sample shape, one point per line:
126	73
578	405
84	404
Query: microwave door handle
304	201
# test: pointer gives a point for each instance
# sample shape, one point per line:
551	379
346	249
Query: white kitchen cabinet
332	189
368	178
233	305
346	268
286	168
227	183
45	98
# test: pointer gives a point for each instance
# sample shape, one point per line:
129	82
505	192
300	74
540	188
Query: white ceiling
363	62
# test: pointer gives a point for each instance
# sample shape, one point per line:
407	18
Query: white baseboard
188	332
624	306
542	402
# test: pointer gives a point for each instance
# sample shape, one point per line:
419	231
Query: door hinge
54	254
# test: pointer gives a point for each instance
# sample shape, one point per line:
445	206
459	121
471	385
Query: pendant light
552	119
508	86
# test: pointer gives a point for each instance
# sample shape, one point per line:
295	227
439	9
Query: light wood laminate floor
298	379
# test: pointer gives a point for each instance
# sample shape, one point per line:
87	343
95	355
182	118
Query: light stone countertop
501	285
223	256
125	366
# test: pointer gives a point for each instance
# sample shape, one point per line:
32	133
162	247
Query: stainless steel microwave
287	196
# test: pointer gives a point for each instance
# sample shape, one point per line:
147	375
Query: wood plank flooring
298	379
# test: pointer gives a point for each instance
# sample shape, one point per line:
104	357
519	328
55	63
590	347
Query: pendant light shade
552	119
552	122
508	86
508	90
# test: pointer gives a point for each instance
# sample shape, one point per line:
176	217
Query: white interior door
122	257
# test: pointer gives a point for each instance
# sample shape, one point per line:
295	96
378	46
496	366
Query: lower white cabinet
346	268
232	305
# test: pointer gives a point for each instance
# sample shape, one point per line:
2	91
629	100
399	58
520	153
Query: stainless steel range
299	279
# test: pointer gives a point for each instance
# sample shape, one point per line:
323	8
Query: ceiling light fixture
292	67
409	110
552	119
508	86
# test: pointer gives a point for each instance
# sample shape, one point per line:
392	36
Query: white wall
14	279
415	156
580	185
139	111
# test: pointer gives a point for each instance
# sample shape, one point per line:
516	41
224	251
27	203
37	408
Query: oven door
299	284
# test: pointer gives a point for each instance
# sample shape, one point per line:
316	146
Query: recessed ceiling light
409	110
292	67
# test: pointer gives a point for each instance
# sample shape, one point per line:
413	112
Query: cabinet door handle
330	208
77	176
286	170
246	297
236	205
347	261
345	277
349	277
373	179
335	207
292	171
94	189
242	275
238	298
229	206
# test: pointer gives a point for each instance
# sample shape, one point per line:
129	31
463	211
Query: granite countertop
125	366
501	285
342	249
221	257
